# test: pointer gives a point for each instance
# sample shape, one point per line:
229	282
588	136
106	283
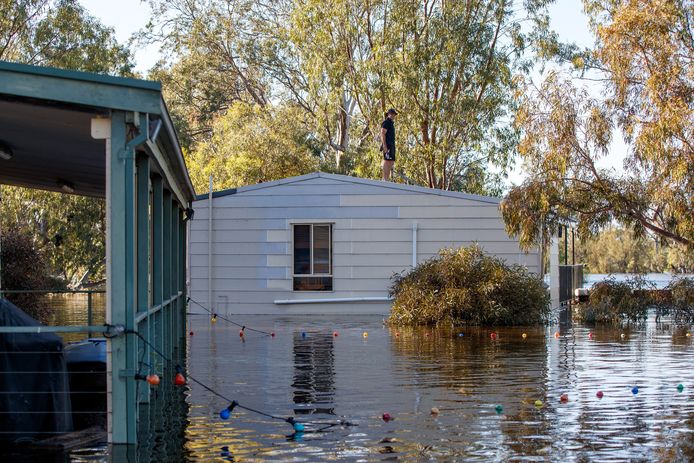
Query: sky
126	17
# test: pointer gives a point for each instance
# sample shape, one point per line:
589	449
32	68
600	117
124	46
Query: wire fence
52	380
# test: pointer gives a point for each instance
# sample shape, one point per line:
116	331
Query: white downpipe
414	244
209	247
333	300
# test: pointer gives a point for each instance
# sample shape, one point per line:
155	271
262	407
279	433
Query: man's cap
392	111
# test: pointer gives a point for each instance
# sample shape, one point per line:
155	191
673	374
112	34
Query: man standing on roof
388	143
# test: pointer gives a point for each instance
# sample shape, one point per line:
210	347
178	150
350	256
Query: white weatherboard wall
372	239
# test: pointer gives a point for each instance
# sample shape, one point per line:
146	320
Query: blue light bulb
298	427
303	334
635	390
225	414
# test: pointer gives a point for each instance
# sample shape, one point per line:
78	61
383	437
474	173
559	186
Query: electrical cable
298	426
243	327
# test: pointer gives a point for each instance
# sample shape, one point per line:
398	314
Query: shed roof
45	116
356	180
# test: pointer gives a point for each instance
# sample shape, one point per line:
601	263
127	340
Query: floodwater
321	379
405	373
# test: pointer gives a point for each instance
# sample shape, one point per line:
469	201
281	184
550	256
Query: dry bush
465	286
24	267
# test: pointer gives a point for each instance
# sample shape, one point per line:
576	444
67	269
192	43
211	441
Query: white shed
328	244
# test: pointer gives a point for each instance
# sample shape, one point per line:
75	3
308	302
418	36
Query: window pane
302	249
313	283
321	249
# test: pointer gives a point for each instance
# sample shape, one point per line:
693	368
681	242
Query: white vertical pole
209	247
414	244
554	271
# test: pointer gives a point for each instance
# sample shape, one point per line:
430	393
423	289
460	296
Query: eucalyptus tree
448	66
644	56
68	230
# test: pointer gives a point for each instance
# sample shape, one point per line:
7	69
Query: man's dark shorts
389	156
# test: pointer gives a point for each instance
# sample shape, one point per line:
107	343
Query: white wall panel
372	240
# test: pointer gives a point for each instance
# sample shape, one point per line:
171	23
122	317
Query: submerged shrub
679	300
24	267
613	301
465	286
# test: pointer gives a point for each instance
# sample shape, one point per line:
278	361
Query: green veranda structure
110	137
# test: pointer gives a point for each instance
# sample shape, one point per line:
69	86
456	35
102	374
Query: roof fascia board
80	75
166	170
54	86
178	153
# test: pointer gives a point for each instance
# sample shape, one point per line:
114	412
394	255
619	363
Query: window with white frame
313	255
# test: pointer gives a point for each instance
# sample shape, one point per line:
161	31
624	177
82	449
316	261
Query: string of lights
225	413
216	315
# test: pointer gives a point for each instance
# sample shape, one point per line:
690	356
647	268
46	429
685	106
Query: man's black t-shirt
390	134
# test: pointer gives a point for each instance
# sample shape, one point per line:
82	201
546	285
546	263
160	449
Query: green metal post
182	279
120	236
175	217
158	260
166	311
143	263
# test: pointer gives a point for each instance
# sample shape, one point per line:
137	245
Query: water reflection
314	373
406	372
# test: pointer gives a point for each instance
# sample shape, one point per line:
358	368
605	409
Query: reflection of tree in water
511	371
314	373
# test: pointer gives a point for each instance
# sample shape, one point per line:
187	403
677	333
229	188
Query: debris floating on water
499	409
599	394
564	397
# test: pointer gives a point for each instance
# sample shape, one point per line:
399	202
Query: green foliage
250	144
616	250
680	300
613	301
643	54
465	286
60	34
24	266
67	230
448	66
